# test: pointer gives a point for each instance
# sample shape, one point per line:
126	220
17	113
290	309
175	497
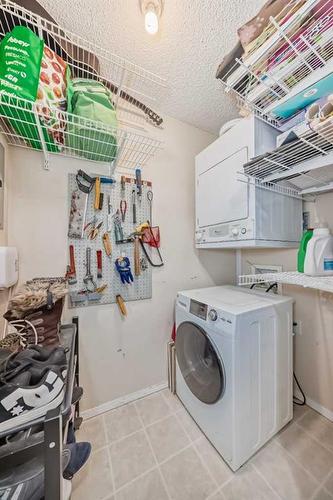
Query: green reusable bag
20	58
92	123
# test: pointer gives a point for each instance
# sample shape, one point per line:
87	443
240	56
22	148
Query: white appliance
234	366
8	267
234	213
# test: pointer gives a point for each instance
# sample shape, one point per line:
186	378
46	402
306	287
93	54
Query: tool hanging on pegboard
107	241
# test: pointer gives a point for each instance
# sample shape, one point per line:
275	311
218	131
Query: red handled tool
71	271
99	264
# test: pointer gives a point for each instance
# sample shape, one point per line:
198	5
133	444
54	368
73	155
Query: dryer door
199	363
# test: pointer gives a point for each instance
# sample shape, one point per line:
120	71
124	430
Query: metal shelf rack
134	90
82	138
294	51
324	284
45	447
304	162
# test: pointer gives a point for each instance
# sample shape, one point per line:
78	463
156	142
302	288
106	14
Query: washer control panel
198	309
212	315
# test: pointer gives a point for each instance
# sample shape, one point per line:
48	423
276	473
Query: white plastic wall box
232	212
8	267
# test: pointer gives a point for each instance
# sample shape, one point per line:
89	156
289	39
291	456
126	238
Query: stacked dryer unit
232	212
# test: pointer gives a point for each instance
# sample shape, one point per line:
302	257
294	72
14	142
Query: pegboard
141	288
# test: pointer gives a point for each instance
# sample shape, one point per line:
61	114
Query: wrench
88	280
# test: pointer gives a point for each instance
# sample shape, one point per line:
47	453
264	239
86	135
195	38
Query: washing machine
234	370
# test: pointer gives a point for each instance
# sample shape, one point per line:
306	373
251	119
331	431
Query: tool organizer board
141	288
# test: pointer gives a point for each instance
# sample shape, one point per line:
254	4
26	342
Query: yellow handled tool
97	193
137	267
121	305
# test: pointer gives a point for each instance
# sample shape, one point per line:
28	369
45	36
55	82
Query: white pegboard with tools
116	196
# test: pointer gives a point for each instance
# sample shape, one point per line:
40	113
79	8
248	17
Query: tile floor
153	450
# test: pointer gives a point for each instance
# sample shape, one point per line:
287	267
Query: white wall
3	232
314	310
38	214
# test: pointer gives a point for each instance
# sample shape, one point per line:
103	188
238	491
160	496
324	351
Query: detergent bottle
319	253
302	250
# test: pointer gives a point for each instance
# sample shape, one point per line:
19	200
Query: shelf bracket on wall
120	148
46	163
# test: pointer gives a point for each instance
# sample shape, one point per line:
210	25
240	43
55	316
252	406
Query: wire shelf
25	125
300	162
134	89
294	52
324	284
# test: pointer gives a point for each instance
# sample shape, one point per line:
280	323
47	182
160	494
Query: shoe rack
46	449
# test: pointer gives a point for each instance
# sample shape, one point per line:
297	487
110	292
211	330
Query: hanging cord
297	401
271	286
267	289
20	325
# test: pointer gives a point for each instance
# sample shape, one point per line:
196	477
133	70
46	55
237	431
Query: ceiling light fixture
152	10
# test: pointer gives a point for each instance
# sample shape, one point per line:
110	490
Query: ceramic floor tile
152	408
186	477
94	480
217	496
216	465
284	474
319	427
93	430
329	483
323	495
299	411
189	425
308	452
147	487
121	422
167	437
247	484
131	457
173	402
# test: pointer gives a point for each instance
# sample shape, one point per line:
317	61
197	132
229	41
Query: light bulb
151	21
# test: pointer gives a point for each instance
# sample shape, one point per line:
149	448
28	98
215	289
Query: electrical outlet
297	328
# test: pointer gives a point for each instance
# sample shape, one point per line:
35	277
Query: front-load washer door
199	363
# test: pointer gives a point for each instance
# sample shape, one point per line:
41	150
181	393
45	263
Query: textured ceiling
194	35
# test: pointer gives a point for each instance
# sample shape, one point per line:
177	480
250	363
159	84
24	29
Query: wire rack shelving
324	284
135	91
294	52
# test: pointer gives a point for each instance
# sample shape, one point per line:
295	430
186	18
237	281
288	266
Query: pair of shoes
31	383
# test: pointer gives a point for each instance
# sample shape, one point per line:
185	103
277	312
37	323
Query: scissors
94	228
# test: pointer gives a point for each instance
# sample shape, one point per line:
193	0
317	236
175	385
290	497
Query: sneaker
23	398
35	359
79	454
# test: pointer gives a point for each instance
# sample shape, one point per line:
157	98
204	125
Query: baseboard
320	409
115	403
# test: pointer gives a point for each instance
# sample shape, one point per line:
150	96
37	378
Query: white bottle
319	253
